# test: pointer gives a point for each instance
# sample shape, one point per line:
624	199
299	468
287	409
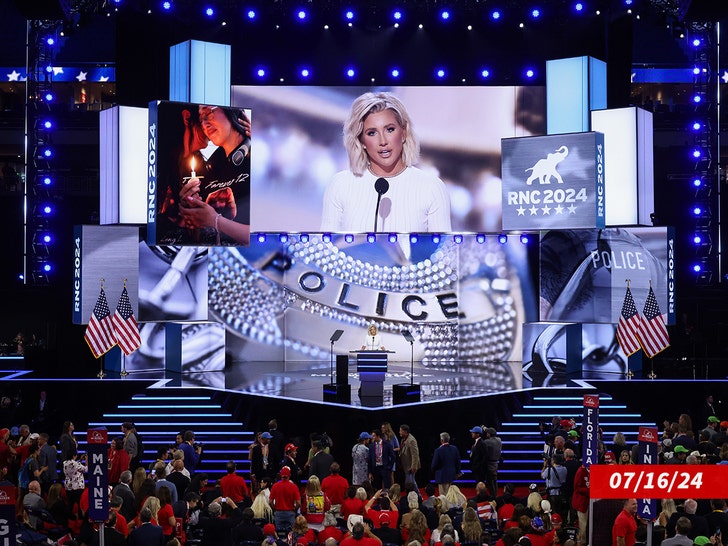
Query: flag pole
652	374
101	373
123	373
629	373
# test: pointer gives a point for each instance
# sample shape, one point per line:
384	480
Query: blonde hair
455	497
261	508
372	103
313	486
153	504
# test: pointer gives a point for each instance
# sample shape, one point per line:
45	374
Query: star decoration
534	210
520	211
558	209
57	70
724	77
572	209
104	79
13	76
81	76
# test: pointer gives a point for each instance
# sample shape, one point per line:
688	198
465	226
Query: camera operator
554	472
192	451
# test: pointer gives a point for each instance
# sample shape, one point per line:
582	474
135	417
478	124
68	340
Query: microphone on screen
381	186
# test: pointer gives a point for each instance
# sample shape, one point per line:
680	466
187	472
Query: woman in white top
381	144
373	341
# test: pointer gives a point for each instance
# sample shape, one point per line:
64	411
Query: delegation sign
658	481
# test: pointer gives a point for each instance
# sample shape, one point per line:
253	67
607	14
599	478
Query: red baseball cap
285	472
291	447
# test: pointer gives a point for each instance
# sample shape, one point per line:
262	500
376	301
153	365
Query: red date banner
658	481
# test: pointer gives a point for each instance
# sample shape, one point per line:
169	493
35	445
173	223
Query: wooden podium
372	369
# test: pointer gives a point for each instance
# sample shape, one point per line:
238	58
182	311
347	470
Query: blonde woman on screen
382	191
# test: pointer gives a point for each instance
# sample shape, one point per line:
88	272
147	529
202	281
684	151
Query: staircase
523	443
159	418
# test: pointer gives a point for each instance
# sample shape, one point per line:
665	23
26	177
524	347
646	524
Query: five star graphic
13	76
724	77
546	210
57	70
558	209
572	209
81	76
534	210
520	211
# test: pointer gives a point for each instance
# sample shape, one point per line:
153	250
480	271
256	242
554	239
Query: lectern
372	369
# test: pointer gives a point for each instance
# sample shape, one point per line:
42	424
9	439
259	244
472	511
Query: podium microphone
381	186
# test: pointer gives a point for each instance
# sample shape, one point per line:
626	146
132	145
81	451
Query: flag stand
652	374
123	372
101	373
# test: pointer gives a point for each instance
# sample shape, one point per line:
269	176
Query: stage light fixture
697	211
305	72
697	182
283	238
535	13
349	238
697	268
47	209
485	73
49	97
445	14
524	238
697	154
50	41
480	238
302	14
326	237
413	238
167	5
696	42
440	73
261	237
209	12
458	238
502	238
530	73
696	71
251	14
392	238
579	7
697	126
349	15
397	15
261	73
371	238
48	124
47	181
436	238
697	99
304	238
495	15
49	69
350	73
47	153
395	72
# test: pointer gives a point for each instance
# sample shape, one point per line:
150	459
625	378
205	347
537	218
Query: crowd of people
292	498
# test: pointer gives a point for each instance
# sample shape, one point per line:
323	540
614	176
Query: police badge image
201	152
584	273
463	304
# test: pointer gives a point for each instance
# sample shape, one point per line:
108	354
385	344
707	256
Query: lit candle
193	174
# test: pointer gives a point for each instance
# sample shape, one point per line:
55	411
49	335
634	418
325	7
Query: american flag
125	325
653	332
100	331
628	327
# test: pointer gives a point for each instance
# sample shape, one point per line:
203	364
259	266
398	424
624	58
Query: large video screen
299	152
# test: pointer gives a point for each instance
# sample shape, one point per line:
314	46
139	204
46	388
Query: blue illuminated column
200	72
574	87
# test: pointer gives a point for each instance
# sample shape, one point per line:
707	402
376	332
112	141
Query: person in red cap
285	500
289	460
609	458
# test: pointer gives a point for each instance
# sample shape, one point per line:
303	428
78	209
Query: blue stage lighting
495	15
304	237
349	15
696	71
261	72
445	15
696	154
696	99
349	238
458	238
47	152
350	73
305	72
440	73
261	237
49	69
697	183
535	13
283	237
397	15
209	12
697	239
628	2
47	209
49	97
392	238
50	41
413	238
530	73
48	124
524	239
697	211
301	15
436	238
579	6
485	73
697	268
47	268
696	126
502	238
696	42
167	5
251	14
371	238
47	181
47	238
480	238
326	237
395	72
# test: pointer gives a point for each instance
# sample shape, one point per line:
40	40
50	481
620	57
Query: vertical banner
98	474
590	430
8	530
647	508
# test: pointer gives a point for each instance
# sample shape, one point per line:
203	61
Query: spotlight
502	238
579	6
436	238
47	268
167	5
371	238
696	71
696	154
305	73
696	42
326	237
392	238
251	14
261	73
304	237
535	13
458	238
49	69
413	238
440	73
444	15
524	239
50	41
696	126
697	211
485	73
209	12
480	238
495	15
47	238
283	238
302	15
47	209
697	182
47	181
349	238
397	15
261	237
697	239
48	124
395	72
530	73
47	152
696	99
349	15
697	268
350	73
49	97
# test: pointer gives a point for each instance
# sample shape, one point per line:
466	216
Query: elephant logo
545	169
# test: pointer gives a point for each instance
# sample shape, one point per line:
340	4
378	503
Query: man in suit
146	534
123	490
321	461
381	461
682	528
445	463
